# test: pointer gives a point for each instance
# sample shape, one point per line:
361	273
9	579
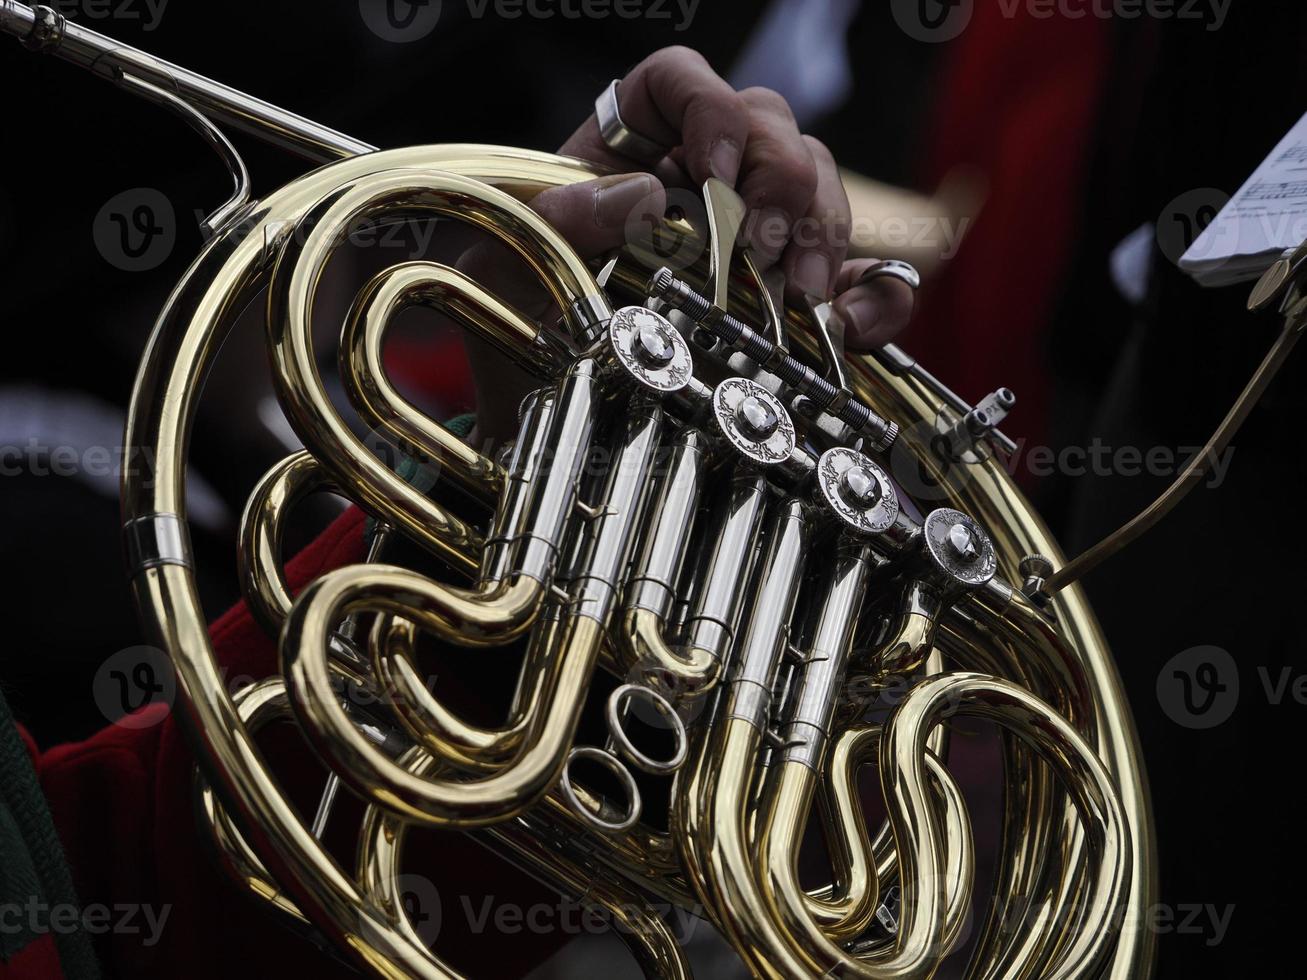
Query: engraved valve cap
649	349
653	344
757	417
857	490
860	487
959	548
753	421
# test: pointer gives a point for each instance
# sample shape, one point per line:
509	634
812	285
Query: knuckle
722	107
676	56
761	97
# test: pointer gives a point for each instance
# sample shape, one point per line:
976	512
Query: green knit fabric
32	865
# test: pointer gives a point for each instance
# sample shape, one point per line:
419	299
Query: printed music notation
1267	216
1294	154
1282	191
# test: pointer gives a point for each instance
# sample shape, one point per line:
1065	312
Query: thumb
595	217
599	215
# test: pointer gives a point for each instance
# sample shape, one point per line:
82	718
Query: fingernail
615	203
812	274
724	159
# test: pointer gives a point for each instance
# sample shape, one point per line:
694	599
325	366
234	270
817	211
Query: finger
778	176
674	97
820	237
875	312
595	216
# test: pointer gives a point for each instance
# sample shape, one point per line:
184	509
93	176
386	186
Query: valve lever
804	380
725	216
771	295
830	335
603	275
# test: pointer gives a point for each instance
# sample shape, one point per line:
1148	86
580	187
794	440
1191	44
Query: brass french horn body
797	564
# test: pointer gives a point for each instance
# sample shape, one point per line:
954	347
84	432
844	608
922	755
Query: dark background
1179	108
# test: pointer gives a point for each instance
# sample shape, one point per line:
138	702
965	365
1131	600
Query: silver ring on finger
619	137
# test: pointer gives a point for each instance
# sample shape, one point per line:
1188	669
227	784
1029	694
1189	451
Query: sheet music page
1266	216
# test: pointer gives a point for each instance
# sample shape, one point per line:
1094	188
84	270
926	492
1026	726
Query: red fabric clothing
1019	96
124	805
39	958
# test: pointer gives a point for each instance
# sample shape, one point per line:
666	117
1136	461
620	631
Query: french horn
751	568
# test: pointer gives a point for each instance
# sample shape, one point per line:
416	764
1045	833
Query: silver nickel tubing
763	643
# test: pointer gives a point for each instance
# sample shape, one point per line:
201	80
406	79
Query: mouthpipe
46	30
